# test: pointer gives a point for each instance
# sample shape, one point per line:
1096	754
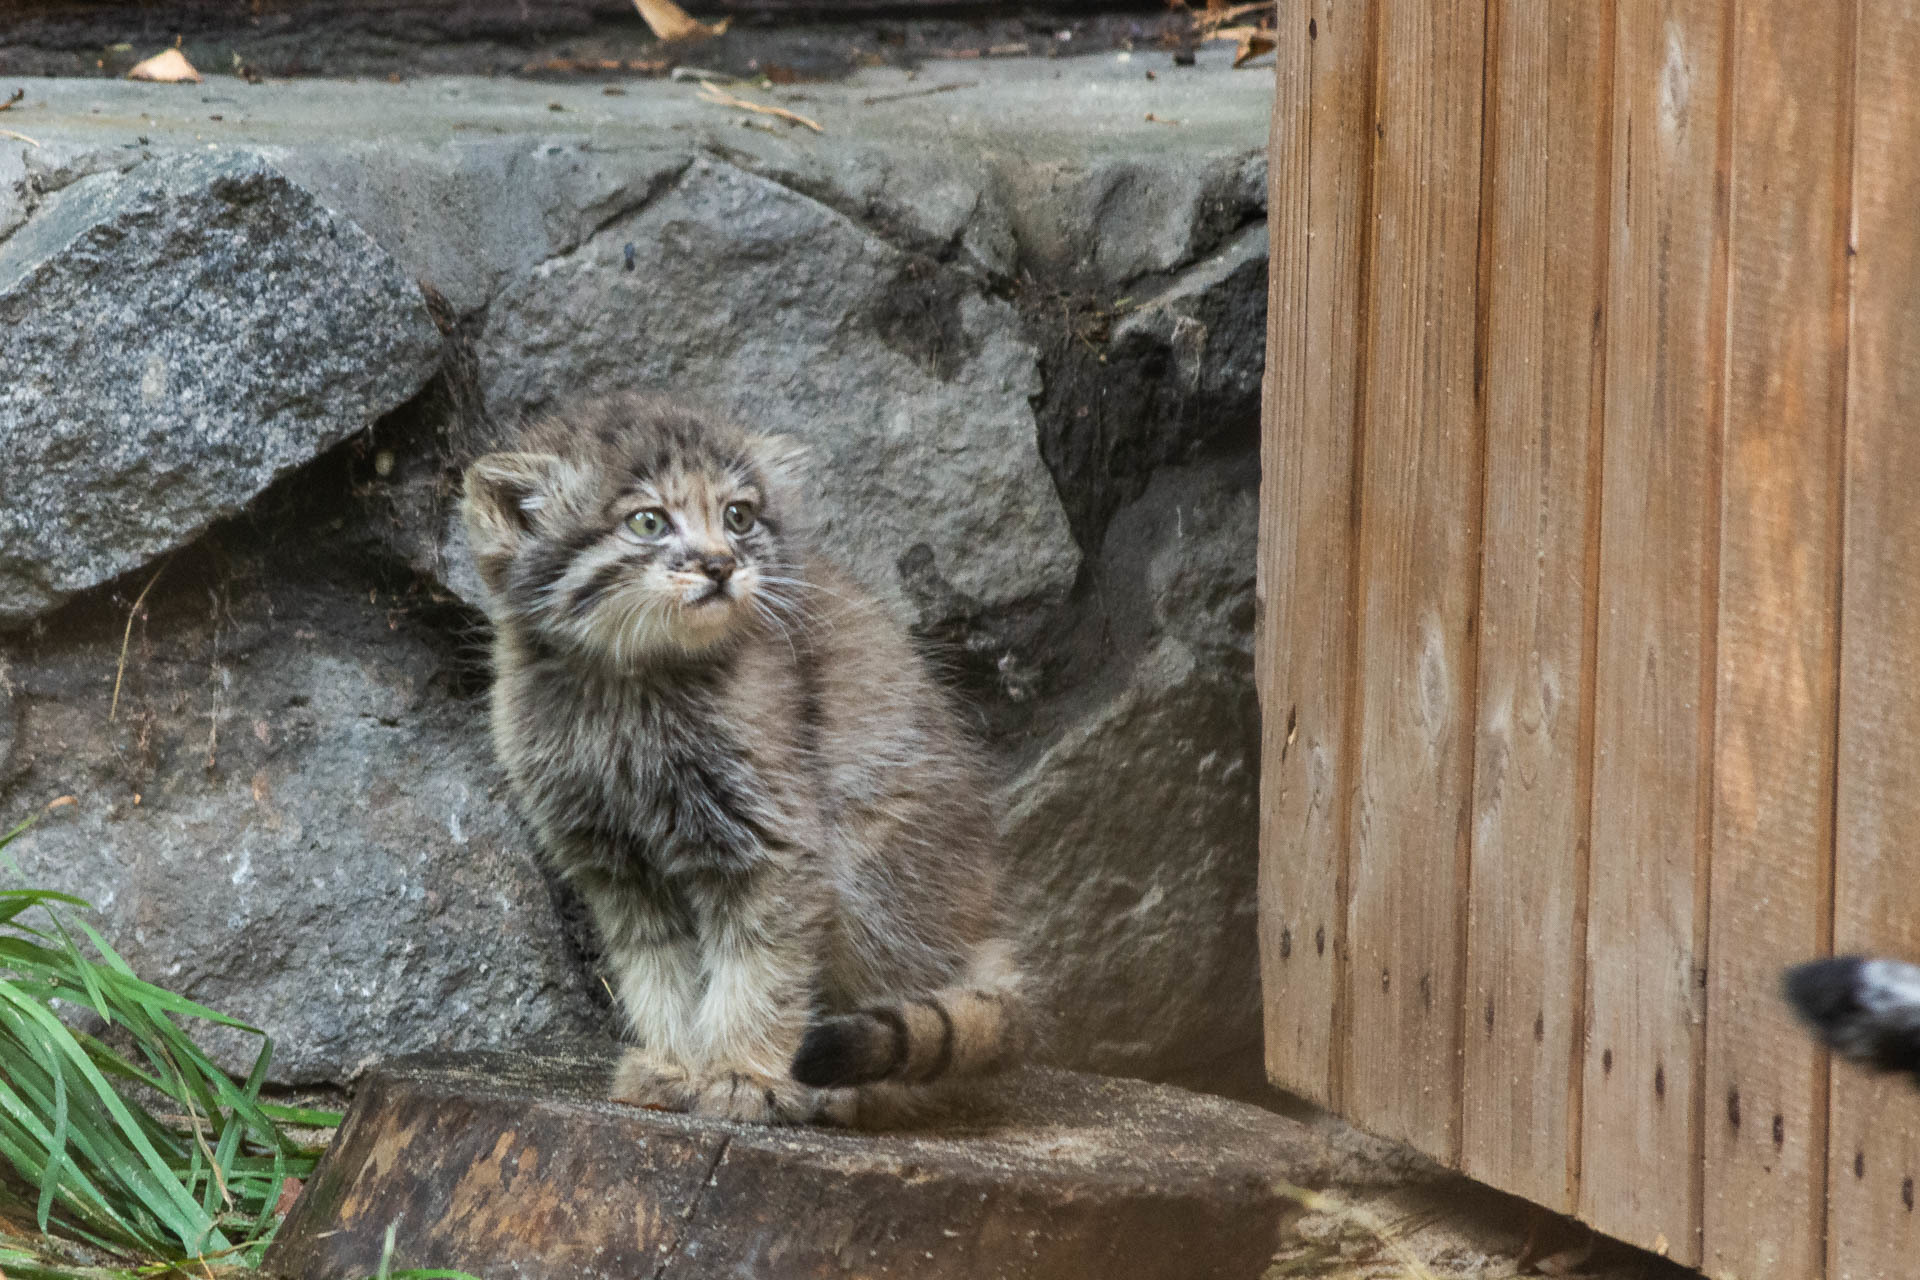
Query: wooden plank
1765	1122
1653	719
1873	1227
1419	551
1317	219
1547	239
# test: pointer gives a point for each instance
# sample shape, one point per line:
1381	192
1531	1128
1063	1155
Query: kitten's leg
658	989
654	960
718	1014
759	964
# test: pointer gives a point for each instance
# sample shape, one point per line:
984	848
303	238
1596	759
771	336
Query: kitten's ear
504	493
787	461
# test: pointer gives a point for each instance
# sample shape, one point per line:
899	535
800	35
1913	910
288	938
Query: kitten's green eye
650	523
739	516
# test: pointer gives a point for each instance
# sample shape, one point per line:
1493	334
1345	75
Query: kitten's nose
719	568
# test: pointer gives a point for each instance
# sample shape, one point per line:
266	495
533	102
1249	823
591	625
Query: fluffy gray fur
743	765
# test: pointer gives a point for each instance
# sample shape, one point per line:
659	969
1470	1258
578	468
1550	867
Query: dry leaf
670	22
289	1192
1252	45
170	67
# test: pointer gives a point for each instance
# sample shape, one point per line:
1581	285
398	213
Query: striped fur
744	767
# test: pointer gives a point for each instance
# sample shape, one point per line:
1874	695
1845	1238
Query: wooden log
506	1164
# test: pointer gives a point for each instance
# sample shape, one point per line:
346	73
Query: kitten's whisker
808	623
773	620
804	585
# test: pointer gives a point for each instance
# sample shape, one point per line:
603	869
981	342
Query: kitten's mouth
717	594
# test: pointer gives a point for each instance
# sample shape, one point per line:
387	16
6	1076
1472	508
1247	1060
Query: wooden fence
1590	574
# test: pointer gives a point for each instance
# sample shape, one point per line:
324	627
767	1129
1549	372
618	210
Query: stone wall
250	333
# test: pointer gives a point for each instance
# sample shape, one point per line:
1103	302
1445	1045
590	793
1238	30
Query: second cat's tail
1867	1009
979	1026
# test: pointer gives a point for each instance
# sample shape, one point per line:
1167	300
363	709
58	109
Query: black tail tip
1825	993
833	1054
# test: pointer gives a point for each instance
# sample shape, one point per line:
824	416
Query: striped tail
1866	1009
945	1034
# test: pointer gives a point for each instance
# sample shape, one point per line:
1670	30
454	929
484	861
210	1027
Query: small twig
126	637
715	94
8	133
17	95
878	98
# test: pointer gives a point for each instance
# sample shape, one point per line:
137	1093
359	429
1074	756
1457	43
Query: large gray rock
1211	321
1132	847
1107	220
1133	839
175	338
293	820
895	291
911	387
471	216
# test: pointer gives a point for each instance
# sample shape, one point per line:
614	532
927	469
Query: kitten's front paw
646	1081
758	1099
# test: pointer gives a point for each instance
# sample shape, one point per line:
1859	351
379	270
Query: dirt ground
288	45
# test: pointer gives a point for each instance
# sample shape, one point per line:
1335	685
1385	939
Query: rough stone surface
291	815
1211	322
506	1165
912	390
546	197
175	338
1127	843
979	296
1128	837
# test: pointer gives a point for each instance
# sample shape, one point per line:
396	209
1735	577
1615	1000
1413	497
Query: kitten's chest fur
662	773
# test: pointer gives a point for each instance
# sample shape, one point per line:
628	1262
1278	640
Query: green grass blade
99	1168
57	1152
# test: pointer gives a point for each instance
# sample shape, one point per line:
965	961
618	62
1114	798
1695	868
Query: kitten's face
633	545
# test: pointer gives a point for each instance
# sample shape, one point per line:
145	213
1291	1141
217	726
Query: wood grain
1653	721
514	1164
1418	558
1765	1122
1615	627
1873	1227
1317	220
1546	236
